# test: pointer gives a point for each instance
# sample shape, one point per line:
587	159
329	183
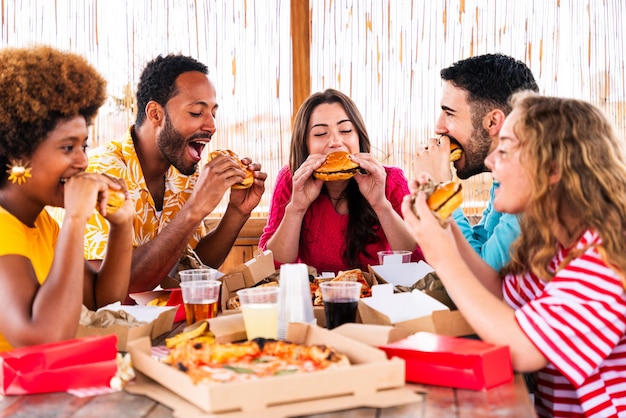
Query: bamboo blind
386	54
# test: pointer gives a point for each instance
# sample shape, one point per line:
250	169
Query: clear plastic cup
340	302
200	298
197	274
259	306
295	303
394	257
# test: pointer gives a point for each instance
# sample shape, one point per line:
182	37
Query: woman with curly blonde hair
48	98
561	305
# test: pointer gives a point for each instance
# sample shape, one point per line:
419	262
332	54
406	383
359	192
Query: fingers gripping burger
115	201
247	182
338	166
442	198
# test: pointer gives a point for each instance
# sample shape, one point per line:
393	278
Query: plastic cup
200	298
197	274
295	303
259	306
394	257
340	302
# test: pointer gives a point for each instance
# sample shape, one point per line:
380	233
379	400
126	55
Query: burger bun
338	166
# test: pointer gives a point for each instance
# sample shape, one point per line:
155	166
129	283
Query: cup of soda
340	302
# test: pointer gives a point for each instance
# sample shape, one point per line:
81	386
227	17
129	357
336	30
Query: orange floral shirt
120	159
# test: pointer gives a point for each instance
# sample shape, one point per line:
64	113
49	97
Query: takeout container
246	275
157	320
454	362
371	380
413	311
174	298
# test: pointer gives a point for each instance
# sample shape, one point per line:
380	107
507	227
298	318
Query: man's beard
173	147
475	152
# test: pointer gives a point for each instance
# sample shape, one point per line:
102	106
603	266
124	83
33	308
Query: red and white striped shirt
578	321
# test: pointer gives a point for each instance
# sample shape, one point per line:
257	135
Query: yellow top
37	244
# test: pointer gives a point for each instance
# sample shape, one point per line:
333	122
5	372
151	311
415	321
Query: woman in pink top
561	307
335	225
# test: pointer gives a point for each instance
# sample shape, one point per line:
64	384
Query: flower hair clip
18	171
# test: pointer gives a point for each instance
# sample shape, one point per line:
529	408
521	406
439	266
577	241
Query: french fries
200	332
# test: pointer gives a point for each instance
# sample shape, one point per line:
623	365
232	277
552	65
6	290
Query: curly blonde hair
575	139
40	86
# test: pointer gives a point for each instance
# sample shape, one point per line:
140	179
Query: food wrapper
432	285
60	366
106	318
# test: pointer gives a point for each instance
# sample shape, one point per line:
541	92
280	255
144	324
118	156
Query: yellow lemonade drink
260	319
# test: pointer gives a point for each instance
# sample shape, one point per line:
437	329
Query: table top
507	400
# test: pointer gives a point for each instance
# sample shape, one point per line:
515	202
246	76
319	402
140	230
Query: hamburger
338	166
442	198
115	201
455	152
248	181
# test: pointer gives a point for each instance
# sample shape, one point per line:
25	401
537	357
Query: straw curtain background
386	54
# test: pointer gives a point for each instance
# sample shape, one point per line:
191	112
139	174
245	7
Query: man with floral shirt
158	158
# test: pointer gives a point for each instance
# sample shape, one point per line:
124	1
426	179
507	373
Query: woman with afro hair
48	98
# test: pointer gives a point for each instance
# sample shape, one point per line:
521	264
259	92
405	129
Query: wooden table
508	400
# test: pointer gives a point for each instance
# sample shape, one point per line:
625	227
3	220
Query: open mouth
196	148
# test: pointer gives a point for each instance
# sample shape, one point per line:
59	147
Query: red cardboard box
57	367
455	362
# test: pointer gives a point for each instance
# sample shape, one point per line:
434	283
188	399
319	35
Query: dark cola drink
340	312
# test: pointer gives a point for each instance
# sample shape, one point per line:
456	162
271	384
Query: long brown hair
575	139
363	222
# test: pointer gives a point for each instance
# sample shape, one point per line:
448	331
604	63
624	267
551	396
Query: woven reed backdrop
386	54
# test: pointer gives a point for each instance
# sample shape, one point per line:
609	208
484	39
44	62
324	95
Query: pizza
250	360
355	275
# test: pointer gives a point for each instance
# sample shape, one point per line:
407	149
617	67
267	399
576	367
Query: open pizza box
412	311
372	380
149	321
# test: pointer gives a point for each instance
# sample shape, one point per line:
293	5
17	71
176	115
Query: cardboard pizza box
455	362
413	311
371	380
155	321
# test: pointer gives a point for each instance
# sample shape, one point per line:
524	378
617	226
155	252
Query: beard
475	152
173	146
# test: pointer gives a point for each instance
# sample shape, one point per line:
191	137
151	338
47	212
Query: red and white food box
451	361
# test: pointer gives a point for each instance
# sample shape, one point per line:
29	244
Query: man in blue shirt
474	104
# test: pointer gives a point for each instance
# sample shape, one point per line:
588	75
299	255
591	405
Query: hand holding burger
442	198
248	181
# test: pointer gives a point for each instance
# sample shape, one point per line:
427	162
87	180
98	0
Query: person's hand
434	159
372	184
245	200
306	188
85	192
215	179
126	211
434	240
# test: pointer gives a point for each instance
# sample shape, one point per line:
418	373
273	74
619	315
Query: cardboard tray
421	312
162	319
370	375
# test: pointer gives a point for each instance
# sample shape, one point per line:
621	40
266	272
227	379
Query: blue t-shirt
493	235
